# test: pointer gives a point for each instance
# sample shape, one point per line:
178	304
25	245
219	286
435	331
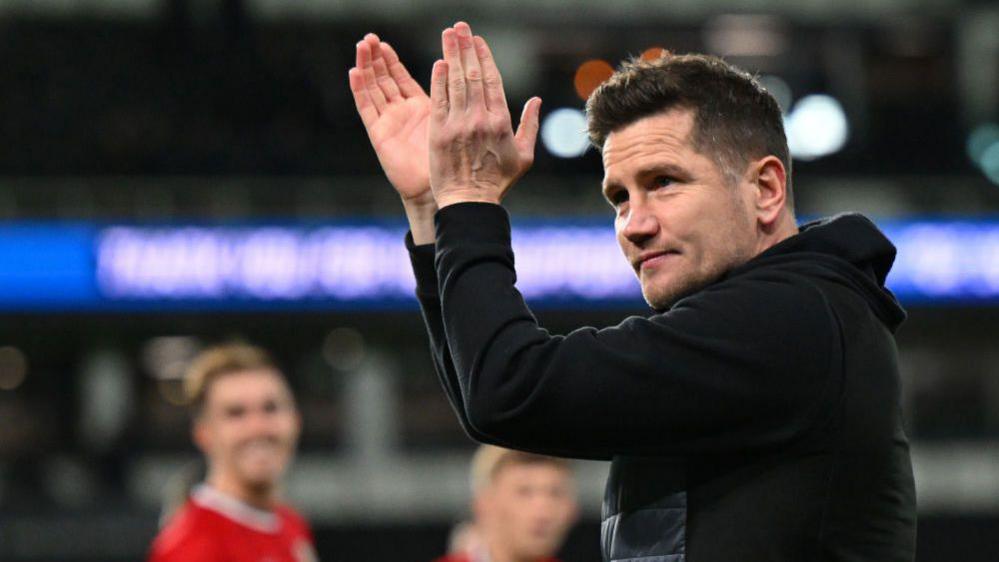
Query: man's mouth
260	447
654	259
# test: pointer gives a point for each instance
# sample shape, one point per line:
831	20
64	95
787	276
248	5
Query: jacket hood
848	249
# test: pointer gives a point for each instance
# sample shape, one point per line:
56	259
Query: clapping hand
395	111
474	153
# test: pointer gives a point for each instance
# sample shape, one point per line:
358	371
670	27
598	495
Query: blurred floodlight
69	481
981	139
564	132
167	357
653	53
779	89
816	127
590	75
989	162
13	367
344	349
105	399
745	35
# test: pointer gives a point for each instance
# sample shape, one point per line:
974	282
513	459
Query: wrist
420	202
420	214
463	196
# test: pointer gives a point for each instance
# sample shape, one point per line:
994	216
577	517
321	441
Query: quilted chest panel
644	511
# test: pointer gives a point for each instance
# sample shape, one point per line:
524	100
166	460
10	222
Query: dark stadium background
177	112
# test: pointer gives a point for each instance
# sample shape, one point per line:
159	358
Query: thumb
527	131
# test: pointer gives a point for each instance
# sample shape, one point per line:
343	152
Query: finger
385	82
455	75
527	131
470	64
365	64
365	107
397	70
492	81
439	99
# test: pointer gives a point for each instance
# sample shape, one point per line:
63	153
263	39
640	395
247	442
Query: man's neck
263	498
784	228
499	552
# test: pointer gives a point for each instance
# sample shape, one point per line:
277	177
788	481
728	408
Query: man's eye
663	181
618	197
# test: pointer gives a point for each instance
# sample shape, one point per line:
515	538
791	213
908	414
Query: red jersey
213	527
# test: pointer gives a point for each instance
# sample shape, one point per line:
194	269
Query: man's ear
770	194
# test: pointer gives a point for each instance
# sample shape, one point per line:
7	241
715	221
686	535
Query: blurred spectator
523	505
247	425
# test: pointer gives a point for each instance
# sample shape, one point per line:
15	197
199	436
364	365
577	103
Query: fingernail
464	31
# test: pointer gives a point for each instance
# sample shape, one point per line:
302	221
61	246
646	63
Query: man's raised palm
395	111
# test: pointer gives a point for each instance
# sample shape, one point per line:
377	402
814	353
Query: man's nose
641	225
261	422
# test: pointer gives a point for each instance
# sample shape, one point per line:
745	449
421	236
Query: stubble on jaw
684	287
697	279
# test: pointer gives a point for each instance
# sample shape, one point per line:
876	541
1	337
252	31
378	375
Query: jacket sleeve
742	365
422	259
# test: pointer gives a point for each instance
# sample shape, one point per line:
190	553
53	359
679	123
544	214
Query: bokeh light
13	367
816	127
980	140
779	89
563	132
989	162
653	53
983	149
167	357
344	349
590	75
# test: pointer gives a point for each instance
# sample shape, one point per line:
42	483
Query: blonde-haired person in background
523	505
246	424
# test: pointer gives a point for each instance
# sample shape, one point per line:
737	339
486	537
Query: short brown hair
218	361
735	118
489	460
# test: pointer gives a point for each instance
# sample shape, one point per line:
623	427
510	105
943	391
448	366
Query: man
523	506
755	416
247	425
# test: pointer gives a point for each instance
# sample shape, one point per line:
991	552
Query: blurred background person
246	424
523	506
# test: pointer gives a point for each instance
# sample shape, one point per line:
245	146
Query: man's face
528	508
679	221
248	428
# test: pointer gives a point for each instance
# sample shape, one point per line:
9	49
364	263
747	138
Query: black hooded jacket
756	419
